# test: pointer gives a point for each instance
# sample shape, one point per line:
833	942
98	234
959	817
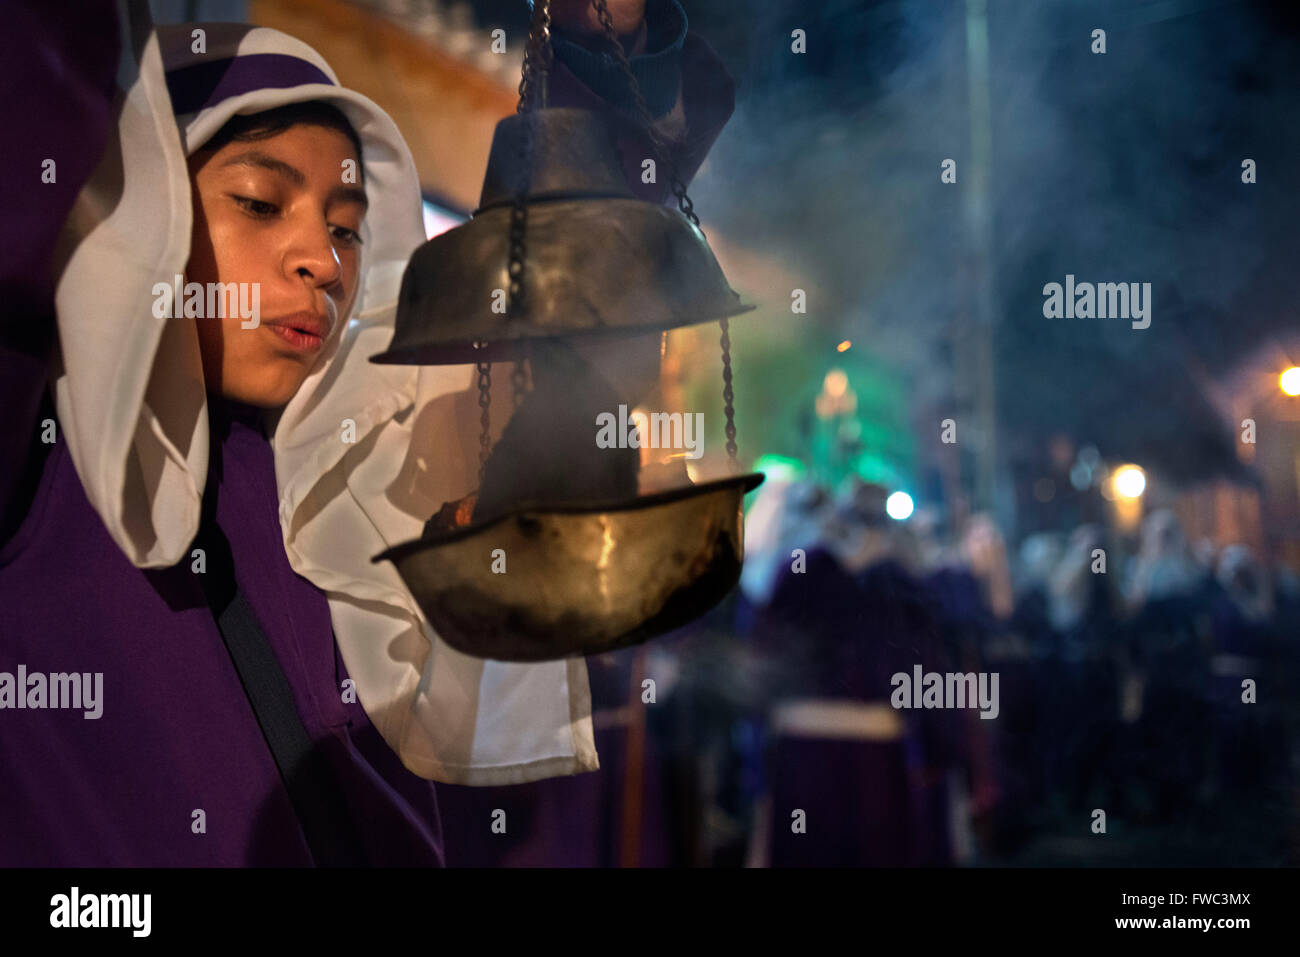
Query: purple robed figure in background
868	778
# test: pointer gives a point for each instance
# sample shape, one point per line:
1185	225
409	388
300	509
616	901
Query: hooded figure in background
785	515
148	463
1165	566
1245	583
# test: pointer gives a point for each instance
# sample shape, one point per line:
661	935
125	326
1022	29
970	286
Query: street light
1290	381
1129	481
899	506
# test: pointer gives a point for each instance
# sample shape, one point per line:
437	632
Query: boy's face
275	212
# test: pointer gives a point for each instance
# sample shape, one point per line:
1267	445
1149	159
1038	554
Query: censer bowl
580	580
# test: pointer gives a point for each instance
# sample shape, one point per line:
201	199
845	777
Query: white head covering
1070	585
364	453
786	514
1245	582
1165	566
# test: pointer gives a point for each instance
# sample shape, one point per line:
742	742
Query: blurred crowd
1146	714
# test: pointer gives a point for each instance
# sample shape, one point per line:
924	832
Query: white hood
130	396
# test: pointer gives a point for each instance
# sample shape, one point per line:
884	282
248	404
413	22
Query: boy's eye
261	209
256	206
349	236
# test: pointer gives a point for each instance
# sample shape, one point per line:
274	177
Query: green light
780	468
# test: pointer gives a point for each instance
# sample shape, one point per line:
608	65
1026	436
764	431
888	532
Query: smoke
1123	166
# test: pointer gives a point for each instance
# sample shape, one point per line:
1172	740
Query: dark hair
268	123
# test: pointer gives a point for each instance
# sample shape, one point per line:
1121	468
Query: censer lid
572	153
597	260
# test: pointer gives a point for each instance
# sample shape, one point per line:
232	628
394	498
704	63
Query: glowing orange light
843	346
1129	481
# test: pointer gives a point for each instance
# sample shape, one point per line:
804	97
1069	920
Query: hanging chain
728	408
485	420
537	59
665	160
532	96
519	382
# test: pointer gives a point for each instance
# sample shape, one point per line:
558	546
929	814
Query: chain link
484	403
728	408
518	228
519	382
537	59
533	95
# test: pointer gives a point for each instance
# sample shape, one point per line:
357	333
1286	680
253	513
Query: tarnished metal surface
579	581
597	260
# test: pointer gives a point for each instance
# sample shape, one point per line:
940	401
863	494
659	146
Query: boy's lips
311	323
302	330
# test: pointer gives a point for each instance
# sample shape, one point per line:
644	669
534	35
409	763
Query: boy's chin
264	395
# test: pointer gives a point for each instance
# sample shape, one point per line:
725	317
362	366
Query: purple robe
176	734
